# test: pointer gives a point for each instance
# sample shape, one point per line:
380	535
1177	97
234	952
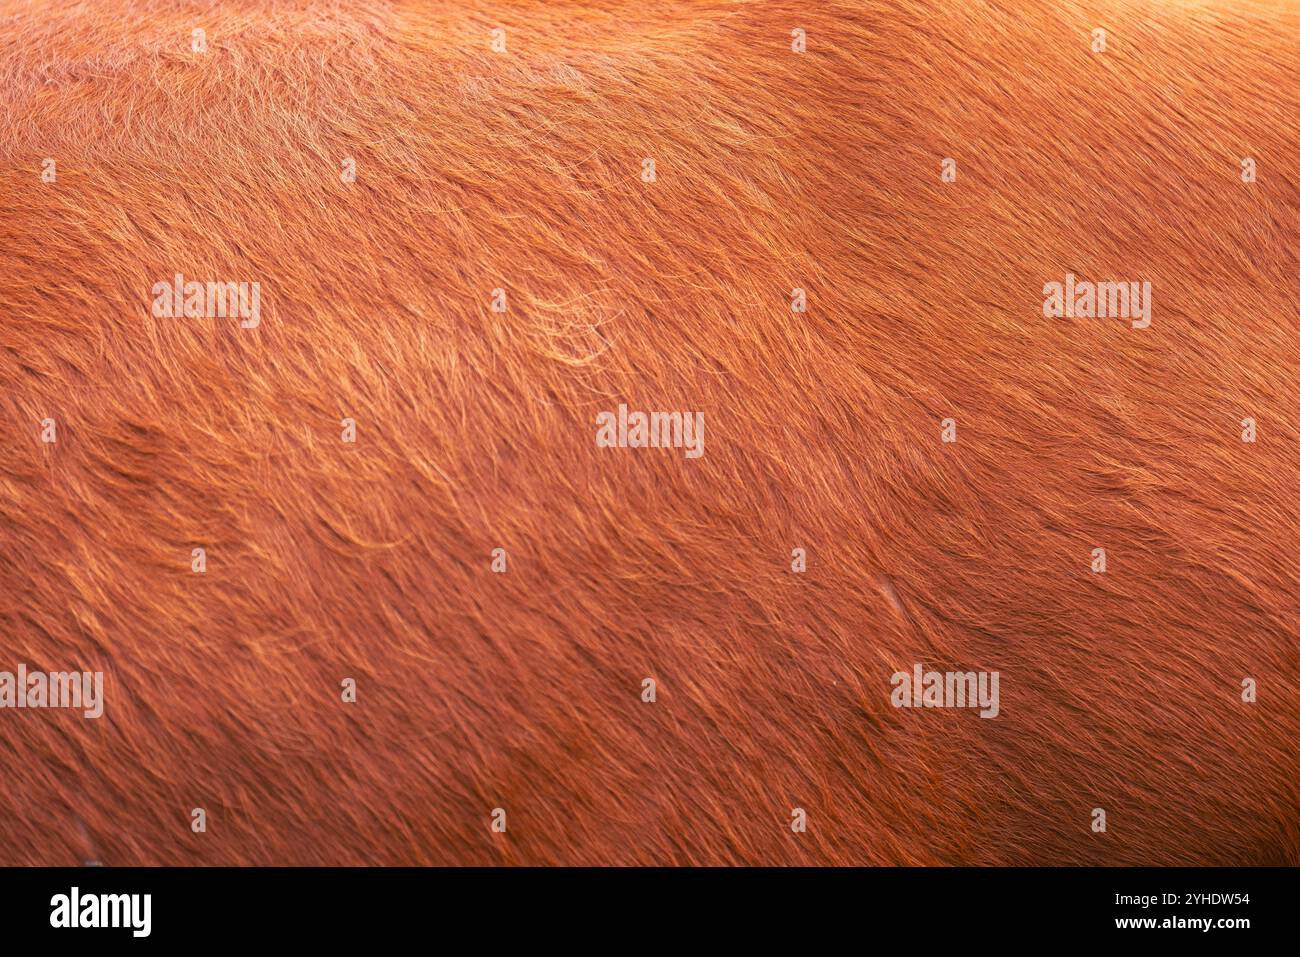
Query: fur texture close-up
377	570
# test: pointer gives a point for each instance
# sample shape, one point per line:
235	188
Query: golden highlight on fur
478	170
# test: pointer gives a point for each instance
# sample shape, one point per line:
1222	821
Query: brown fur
775	170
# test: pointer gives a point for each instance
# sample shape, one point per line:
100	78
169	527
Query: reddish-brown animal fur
775	170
